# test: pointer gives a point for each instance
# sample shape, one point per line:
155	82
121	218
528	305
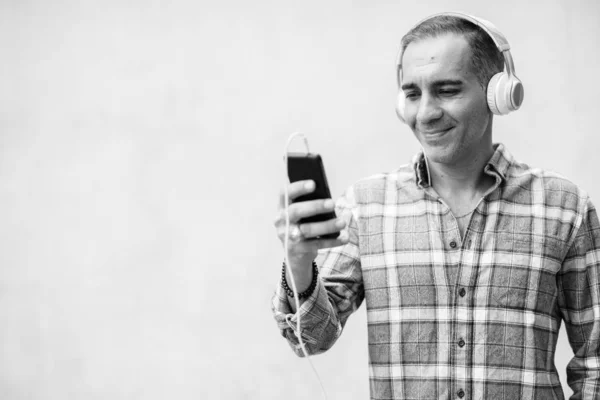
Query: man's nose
429	110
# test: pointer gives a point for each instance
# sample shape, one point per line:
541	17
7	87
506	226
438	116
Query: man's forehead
449	51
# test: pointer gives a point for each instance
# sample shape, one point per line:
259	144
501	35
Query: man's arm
338	293
579	302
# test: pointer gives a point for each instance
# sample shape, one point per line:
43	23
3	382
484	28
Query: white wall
140	160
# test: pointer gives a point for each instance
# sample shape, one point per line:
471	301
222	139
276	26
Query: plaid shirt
472	318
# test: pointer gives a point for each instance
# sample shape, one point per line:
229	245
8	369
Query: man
468	260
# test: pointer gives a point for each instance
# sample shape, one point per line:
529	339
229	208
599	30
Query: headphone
504	91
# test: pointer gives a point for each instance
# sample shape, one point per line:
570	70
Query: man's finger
326	243
304	209
295	190
314	229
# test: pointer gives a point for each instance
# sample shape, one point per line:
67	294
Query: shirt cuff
311	314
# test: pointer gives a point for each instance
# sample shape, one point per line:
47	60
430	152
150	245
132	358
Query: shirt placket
459	253
464	317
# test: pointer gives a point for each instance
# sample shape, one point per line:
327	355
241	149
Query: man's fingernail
309	185
328	204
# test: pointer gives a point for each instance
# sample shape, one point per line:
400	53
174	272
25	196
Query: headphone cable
287	263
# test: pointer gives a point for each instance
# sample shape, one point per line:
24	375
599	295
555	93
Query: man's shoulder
401	174
534	178
373	187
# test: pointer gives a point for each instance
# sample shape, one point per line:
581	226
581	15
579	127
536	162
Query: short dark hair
486	59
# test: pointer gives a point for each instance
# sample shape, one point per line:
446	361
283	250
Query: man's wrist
306	293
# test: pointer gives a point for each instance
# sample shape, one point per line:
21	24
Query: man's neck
466	178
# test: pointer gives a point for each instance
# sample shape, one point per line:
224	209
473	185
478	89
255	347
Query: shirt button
461	393
462	292
453	244
461	343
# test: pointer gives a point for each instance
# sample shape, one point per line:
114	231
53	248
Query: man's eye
448	92
411	95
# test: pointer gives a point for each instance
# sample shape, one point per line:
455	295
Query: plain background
141	153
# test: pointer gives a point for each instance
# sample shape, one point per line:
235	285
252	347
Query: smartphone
302	166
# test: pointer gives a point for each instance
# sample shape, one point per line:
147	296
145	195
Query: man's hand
302	244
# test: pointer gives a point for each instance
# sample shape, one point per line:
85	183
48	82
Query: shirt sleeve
579	303
339	291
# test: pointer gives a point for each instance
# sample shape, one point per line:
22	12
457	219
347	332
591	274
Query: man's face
445	106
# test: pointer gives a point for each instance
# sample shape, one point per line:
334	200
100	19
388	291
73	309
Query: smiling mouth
435	133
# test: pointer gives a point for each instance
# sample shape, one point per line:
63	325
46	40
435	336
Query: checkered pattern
477	317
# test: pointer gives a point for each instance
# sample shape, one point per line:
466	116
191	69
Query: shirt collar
497	165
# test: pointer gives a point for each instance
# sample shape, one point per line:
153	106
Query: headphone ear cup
400	106
516	94
495	92
504	93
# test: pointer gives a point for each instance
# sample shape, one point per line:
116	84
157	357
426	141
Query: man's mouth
434	132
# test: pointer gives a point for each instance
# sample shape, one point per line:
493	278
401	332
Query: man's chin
438	154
